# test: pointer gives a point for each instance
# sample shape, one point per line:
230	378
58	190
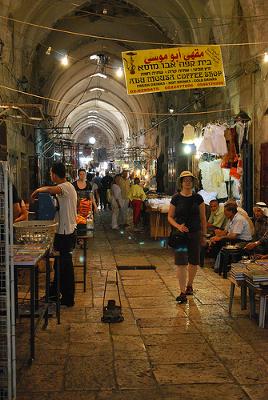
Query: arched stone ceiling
117	114
131	24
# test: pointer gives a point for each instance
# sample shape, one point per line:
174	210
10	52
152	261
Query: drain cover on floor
135	267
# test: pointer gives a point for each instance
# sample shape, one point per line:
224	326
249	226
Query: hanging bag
177	238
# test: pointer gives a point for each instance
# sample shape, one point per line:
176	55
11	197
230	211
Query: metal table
30	262
84	237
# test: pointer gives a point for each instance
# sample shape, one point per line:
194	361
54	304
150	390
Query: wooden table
159	226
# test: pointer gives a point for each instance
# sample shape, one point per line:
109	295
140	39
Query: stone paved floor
161	351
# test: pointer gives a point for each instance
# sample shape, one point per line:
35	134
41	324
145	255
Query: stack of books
250	271
257	278
237	271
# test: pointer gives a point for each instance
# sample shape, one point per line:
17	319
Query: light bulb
64	60
92	140
187	149
119	72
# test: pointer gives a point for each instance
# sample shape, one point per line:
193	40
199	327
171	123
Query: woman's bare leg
182	277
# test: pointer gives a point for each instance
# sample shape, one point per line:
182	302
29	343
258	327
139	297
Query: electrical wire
126	112
113	39
122	20
179	17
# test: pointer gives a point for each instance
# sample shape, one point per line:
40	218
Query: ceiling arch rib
105	125
77	78
105	111
100	118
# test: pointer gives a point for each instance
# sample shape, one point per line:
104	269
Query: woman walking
84	189
187	215
117	201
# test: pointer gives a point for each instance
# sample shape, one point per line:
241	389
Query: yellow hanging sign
160	70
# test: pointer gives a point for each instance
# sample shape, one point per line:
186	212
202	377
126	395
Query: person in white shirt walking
117	201
65	237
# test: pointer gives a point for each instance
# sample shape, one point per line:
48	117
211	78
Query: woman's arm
171	220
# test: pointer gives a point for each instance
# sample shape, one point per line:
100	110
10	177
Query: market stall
218	158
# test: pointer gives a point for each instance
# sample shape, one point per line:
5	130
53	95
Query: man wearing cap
188	218
260	244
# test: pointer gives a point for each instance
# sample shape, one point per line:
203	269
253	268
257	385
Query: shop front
220	158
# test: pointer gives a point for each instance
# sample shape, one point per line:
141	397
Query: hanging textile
214	140
212	178
189	134
230	159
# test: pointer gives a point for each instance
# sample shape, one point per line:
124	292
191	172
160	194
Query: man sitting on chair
260	245
237	230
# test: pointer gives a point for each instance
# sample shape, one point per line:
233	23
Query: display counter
157	208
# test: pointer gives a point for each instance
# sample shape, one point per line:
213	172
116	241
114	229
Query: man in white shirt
124	184
237	230
65	237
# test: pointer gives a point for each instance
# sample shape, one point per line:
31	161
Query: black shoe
189	290
182	298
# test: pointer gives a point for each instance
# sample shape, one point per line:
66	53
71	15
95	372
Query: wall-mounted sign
160	70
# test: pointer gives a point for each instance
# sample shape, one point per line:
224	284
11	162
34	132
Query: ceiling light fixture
187	149
99	74
119	72
64	60
95	89
265	58
171	109
94	57
92	140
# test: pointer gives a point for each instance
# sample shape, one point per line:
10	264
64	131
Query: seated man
237	229
244	213
260	245
217	219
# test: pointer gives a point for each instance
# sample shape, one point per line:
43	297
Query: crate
35	231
